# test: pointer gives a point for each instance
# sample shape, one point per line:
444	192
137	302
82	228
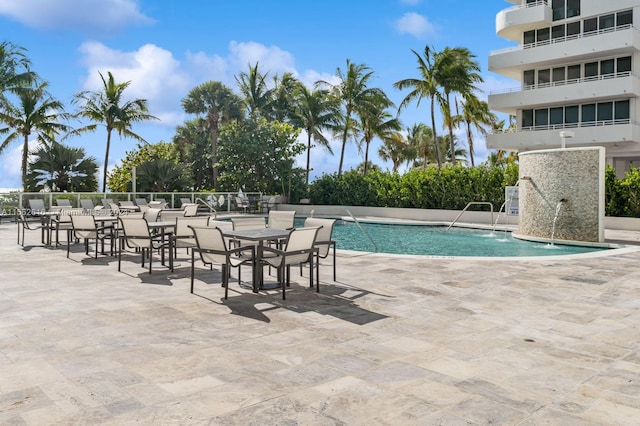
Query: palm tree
253	87
420	138
475	114
14	69
35	111
220	105
284	92
314	111
193	147
395	149
62	168
427	86
376	121
107	107
355	96
458	73
459	153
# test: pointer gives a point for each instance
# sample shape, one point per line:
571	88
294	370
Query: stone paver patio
397	340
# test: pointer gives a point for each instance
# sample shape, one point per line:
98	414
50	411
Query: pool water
437	241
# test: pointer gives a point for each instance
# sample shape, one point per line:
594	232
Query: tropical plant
353	93
376	121
61	168
35	111
161	175
193	148
284	92
14	69
475	114
220	105
426	86
253	86
314	111
107	107
422	144
459	73
395	149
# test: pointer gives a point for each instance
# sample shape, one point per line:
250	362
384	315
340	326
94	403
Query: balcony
592	89
620	40
512	22
615	135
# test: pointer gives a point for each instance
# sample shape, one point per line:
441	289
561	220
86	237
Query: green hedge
451	188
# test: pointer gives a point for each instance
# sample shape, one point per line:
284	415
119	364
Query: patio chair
37	206
211	246
32	225
141	202
126	203
281	219
183	236
323	241
242	203
184	201
241	223
87	204
63	202
190	209
84	228
299	249
63	221
135	234
157	204
152	214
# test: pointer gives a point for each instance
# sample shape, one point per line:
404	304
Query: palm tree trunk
213	118
366	156
25	158
470	143
106	162
451	143
344	144
435	137
308	153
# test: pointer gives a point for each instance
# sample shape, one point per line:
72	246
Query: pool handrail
467	206
363	230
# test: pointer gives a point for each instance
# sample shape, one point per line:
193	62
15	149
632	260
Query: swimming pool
437	241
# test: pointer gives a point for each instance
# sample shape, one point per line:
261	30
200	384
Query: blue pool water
437	241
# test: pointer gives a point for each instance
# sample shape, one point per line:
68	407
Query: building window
542	35
556	116
605	111
527	118
529	37
544	77
559	74
573	28
573	73
558	9
557	32
607	67
607	21
542	117
590	25
591	69
529	78
622	110
588	113
571	114
573	8
624	64
624	18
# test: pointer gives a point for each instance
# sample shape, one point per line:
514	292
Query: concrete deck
397	340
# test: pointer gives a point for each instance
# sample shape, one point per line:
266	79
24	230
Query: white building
576	68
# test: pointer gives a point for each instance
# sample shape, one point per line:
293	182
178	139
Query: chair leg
192	269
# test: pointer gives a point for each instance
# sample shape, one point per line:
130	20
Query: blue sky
167	47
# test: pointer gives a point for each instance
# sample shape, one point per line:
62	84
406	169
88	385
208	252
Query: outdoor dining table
260	235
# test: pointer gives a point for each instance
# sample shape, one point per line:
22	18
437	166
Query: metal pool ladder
467	206
366	234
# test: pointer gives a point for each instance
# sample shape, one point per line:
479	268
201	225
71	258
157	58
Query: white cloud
83	15
10	166
415	25
271	59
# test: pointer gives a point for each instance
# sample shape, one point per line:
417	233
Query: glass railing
564	82
597	123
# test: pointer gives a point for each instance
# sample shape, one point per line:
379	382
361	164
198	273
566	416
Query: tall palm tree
107	107
427	86
314	111
253	86
458	73
35	111
14	69
395	149
284	92
62	168
220	105
421	139
376	121
475	114
355	96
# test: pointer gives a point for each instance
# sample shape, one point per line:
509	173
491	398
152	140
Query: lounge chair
87	204
212	248
63	202
36	205
141	201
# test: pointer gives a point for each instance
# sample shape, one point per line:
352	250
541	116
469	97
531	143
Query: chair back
157	204
37	205
63	202
243	223
141	201
65	214
190	209
184	201
223	225
84	226
86	203
135	230
152	214
184	224
211	239
323	240
126	203
281	219
300	239
114	207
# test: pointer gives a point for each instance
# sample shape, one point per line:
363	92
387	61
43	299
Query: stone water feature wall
567	181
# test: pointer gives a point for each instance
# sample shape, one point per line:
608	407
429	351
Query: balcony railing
563	39
598	123
527	5
564	82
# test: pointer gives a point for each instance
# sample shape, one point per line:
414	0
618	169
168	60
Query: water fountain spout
555	218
